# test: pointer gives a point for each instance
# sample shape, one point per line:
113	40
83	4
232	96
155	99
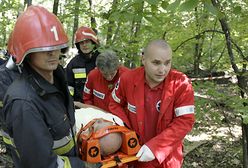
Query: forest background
209	40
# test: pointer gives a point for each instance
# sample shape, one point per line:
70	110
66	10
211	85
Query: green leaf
173	6
188	5
245	119
152	2
164	4
237	10
209	7
154	8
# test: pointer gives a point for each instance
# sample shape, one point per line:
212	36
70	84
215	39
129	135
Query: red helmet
37	30
84	33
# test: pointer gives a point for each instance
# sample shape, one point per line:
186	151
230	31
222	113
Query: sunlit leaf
153	2
188	5
173	6
237	10
209	7
164	4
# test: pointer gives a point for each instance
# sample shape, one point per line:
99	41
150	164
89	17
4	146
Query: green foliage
188	5
225	97
210	8
8	13
180	22
173	6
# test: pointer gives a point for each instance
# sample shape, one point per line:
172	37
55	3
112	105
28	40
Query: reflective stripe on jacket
176	117
77	70
97	89
39	120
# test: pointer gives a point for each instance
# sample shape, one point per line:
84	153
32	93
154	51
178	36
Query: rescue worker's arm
118	102
70	79
83	105
88	90
34	141
164	143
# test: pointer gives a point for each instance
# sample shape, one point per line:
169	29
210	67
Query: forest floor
215	141
205	150
214	151
214	145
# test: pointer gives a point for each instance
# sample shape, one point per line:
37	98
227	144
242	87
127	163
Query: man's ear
142	59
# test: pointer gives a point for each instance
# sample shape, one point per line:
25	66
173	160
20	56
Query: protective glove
145	154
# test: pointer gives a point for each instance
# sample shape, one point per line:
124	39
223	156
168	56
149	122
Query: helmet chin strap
10	63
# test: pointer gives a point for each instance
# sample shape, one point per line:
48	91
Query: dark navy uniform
77	71
2	61
6	78
40	122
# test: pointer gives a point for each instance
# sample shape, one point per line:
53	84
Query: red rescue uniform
175	114
97	89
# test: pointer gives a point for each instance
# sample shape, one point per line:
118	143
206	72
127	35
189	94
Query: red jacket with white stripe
176	117
97	89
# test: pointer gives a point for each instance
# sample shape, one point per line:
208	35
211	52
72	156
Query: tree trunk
197	53
242	80
136	24
76	15
245	146
3	26
92	19
55	7
27	2
111	23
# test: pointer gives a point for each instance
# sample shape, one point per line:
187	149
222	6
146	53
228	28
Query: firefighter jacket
6	78
176	116
97	89
2	61
77	70
39	122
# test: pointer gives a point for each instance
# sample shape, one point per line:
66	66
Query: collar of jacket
140	79
42	86
139	90
94	53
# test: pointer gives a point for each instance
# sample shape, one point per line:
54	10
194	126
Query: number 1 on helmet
54	30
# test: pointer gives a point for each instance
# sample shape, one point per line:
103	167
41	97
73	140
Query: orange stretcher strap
107	130
123	160
89	126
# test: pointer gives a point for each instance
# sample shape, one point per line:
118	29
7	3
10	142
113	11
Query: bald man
157	102
110	143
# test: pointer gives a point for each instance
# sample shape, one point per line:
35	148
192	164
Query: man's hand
145	154
92	165
78	105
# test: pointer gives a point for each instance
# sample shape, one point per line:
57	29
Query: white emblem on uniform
158	105
117	84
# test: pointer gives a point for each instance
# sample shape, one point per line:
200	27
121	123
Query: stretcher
90	150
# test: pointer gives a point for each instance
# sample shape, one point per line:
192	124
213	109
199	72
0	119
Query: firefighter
38	110
101	81
8	72
157	102
78	68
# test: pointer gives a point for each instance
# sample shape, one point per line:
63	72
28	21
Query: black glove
92	165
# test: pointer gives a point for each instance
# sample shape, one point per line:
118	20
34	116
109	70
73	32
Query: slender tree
92	19
111	23
240	73
55	6
76	16
27	3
